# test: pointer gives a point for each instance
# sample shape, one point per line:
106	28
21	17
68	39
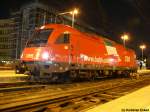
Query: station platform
144	71
9	76
138	101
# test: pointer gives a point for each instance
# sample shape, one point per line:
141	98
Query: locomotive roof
90	35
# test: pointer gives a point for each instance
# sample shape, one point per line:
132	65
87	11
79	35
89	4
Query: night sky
116	16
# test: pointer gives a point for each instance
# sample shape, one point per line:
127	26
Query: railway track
75	99
21	88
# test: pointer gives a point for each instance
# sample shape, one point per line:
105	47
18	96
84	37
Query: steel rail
39	102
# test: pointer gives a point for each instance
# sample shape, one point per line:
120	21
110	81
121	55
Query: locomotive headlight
45	55
111	60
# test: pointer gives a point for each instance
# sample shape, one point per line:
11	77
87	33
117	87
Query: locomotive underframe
53	70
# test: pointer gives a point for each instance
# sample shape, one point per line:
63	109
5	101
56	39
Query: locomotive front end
46	54
36	53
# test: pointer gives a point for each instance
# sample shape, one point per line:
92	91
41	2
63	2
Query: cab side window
63	38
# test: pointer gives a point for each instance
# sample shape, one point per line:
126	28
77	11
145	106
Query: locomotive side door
63	48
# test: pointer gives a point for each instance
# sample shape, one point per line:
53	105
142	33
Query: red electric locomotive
58	51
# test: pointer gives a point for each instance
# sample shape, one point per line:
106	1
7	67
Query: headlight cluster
45	55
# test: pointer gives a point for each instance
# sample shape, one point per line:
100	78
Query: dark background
115	16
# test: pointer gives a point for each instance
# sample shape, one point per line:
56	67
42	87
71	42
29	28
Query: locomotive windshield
39	38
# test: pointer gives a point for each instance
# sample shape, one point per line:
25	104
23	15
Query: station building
36	14
7	40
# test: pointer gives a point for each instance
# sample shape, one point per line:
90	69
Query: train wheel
127	74
73	74
67	77
93	75
114	74
35	72
62	77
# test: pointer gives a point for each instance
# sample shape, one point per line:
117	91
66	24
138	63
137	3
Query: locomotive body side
65	49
